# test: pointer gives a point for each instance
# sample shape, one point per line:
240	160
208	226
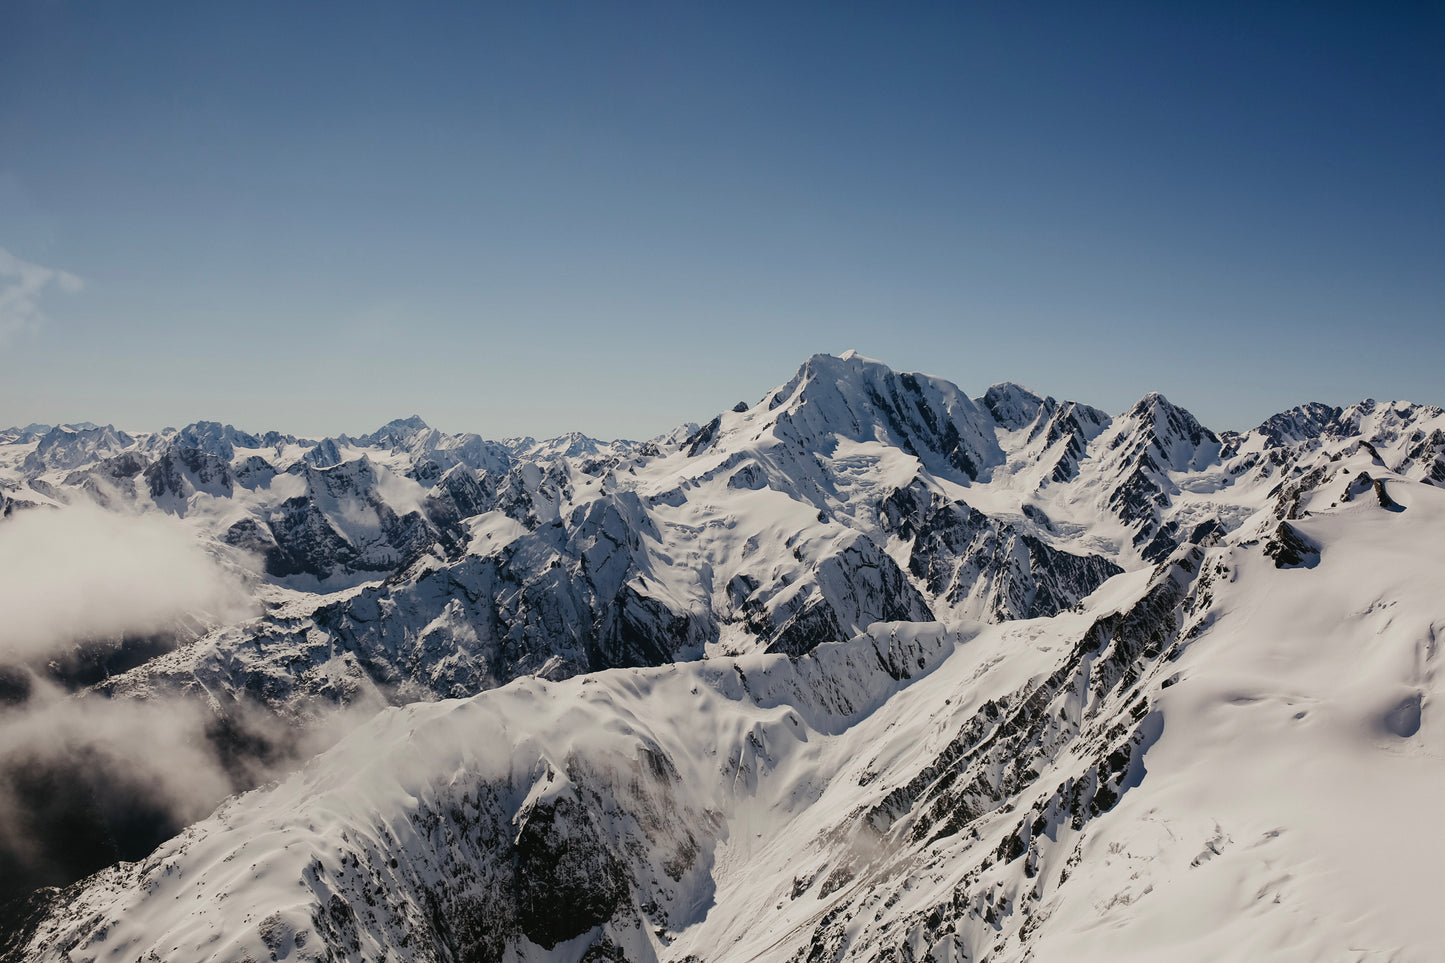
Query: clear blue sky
614	217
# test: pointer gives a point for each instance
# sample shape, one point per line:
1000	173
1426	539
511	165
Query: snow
1281	786
493	531
1285	811
1280	759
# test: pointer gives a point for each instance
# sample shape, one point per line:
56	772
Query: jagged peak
1398	408
411	424
324	454
1013	405
1011	388
398	431
845	370
1309	420
866	400
1150	403
63	435
1179	441
213	434
75	428
30	432
82	428
1168	417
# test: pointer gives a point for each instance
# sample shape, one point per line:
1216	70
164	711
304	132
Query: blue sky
614	217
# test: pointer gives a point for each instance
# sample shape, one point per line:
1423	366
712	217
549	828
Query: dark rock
699	442
568	880
957	550
1383	496
1290	548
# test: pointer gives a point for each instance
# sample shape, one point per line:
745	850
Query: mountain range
867	670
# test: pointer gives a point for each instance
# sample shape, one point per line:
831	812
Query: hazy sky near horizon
533	218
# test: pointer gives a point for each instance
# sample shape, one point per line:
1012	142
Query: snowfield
868	671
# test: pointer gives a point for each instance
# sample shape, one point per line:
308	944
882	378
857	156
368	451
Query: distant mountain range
868	670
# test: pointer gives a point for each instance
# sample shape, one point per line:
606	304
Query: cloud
21	286
80	573
86	780
100	765
89	777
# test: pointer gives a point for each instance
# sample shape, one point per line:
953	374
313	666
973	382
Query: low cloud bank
87	779
82	573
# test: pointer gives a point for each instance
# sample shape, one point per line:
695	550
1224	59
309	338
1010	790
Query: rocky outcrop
985	567
1290	548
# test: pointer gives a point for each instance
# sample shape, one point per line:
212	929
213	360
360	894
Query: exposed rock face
1290	549
854	399
959	553
1074	425
1303	423
1357	485
1382	496
853	588
986	782
1153	442
1013	406
181	472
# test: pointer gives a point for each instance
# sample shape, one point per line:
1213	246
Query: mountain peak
1179	437
865	400
1150	403
398	431
1012	405
852	355
1299	423
850	359
1167	417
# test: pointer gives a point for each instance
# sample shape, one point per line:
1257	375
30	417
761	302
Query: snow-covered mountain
868	670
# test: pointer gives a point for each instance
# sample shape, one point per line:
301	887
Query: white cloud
21	286
149	767
83	573
141	766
